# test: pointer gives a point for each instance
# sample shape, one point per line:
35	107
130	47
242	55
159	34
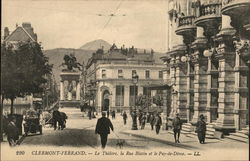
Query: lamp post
135	78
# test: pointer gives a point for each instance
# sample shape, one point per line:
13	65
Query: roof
20	34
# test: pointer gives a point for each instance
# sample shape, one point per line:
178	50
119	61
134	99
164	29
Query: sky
72	23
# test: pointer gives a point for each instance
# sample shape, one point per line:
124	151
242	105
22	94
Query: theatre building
208	62
109	76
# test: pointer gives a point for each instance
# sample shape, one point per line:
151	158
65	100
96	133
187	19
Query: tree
23	70
158	100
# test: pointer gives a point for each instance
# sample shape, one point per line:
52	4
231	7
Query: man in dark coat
56	118
177	128
201	129
158	123
103	128
143	121
12	132
124	115
152	121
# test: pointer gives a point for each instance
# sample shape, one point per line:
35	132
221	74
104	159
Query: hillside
96	44
56	58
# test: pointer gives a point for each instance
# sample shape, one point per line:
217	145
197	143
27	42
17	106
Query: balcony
238	10
186	28
210	18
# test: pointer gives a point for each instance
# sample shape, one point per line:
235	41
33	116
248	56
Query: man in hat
12	131
158	123
103	128
201	129
176	128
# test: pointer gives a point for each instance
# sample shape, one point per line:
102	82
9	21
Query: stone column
200	88
164	117
200	75
226	100
181	86
174	94
78	90
241	87
61	90
209	86
188	106
126	96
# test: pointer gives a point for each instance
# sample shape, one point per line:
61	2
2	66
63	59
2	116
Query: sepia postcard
125	80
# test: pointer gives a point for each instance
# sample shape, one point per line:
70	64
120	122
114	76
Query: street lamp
135	78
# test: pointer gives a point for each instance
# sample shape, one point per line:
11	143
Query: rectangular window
147	74
160	74
120	73
104	73
119	98
133	72
133	91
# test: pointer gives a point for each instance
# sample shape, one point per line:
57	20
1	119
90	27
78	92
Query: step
244	132
235	138
239	135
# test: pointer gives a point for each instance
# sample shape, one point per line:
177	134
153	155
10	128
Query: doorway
106	101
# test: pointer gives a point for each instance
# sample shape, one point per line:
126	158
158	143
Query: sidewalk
166	137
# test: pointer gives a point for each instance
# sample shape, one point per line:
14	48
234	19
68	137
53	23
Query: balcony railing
211	9
186	21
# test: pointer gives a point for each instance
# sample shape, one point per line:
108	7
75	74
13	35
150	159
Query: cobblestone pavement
79	135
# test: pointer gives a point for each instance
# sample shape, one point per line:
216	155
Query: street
80	135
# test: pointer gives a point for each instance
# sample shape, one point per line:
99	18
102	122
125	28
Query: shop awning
158	86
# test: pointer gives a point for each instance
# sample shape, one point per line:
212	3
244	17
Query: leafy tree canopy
23	69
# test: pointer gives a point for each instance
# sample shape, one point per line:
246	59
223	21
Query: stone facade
109	76
208	61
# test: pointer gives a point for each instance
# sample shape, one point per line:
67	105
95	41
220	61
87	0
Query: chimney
6	32
27	26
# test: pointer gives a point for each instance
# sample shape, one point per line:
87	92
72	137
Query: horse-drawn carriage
32	122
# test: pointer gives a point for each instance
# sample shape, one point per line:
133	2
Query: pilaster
241	68
61	90
226	101
200	75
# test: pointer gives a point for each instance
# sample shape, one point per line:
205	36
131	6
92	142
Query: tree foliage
158	100
23	69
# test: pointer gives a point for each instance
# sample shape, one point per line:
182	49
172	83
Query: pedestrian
152	121
139	118
158	123
113	114
176	128
103	128
89	114
143	121
56	118
124	115
201	129
12	131
148	117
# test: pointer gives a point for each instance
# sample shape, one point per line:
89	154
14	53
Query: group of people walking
104	125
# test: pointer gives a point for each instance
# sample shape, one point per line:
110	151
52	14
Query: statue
71	63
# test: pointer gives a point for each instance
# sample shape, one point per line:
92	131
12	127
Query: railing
225	2
211	9
186	20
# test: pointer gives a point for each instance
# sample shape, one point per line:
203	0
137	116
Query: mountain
96	44
56	58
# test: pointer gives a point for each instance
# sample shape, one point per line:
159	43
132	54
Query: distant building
109	76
